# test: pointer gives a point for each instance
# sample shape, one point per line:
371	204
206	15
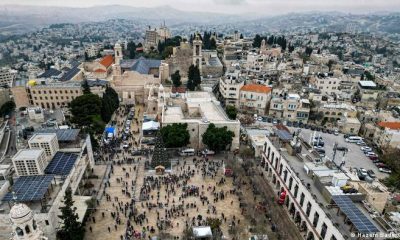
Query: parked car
259	119
366	148
336	132
381	165
274	121
207	152
385	170
306	126
371	173
373	158
136	153
361	143
125	145
369	154
362	173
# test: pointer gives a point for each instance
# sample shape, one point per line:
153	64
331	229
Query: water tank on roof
31	83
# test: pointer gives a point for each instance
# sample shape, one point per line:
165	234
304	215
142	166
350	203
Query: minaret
197	55
118	53
24	224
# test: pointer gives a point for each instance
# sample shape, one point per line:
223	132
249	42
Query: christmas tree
160	157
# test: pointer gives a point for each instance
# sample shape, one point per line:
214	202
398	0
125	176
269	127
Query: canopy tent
150	125
202	232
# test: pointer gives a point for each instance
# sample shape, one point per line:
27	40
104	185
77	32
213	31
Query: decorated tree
160	157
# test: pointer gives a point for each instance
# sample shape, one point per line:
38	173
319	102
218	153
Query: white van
187	152
354	139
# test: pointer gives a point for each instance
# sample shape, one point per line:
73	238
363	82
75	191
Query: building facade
30	162
254	98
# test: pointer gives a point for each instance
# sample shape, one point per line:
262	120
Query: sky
268	7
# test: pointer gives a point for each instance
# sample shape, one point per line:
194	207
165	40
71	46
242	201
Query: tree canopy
175	135
176	79
160	157
7	108
231	111
217	139
71	228
84	108
110	103
131	49
194	77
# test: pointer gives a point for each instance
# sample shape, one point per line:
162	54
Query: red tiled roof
391	125
178	89
107	61
256	88
99	70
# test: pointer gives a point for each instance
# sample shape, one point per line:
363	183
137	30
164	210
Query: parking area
354	158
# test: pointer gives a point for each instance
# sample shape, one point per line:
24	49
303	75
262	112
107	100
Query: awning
202	232
150	125
81	206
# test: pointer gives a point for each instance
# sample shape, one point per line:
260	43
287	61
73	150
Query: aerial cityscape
199	119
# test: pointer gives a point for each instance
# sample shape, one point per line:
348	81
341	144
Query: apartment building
7	76
289	106
333	112
229	87
46	141
254	98
30	162
387	134
328	85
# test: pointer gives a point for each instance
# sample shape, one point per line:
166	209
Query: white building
46	141
198	110
30	162
229	87
7	76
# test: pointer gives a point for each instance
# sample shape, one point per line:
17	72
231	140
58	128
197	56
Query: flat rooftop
28	154
43	137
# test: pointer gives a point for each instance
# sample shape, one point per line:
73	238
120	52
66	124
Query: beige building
30	162
46	141
334	112
289	107
181	59
387	134
53	95
350	125
328	85
229	87
20	96
198	110
254	98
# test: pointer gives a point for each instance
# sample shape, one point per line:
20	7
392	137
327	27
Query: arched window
27	229
19	231
34	225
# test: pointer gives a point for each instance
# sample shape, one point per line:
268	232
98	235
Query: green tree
86	87
241	36
86	56
190	85
308	51
213	44
131	48
110	103
71	228
217	139
175	135
176	79
257	41
7	108
194	76
231	111
167	52
84	108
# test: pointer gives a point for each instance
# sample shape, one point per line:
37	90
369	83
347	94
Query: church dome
20	210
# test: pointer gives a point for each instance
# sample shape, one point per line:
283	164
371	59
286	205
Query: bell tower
197	55
118	53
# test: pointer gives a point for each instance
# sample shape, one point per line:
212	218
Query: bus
187	152
354	139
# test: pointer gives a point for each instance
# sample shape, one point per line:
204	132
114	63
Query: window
27	229
302	196
19	231
316	218
44	92
296	190
290	183
47	222
308	210
324	230
49	91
